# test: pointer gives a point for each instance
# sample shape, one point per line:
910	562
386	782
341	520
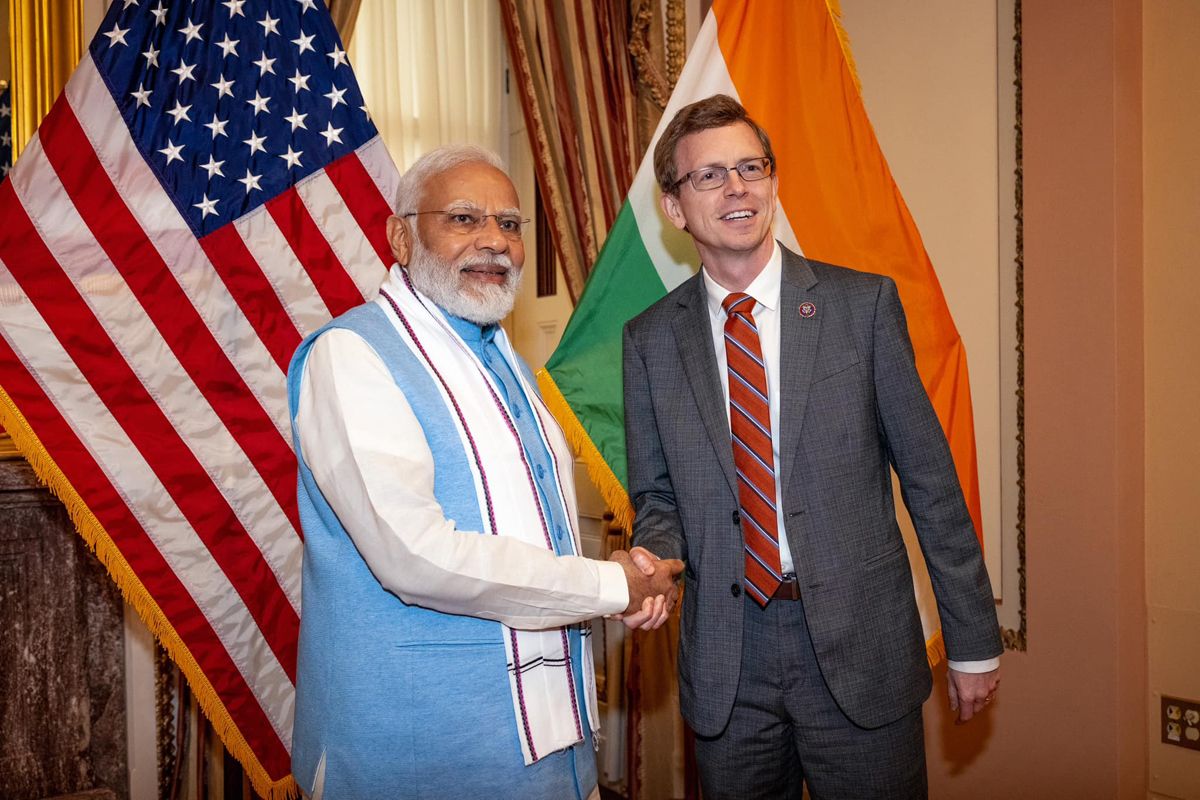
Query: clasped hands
652	587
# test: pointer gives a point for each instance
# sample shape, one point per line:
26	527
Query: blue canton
5	132
231	103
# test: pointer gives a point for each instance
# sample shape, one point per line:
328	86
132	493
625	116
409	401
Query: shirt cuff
614	589
986	665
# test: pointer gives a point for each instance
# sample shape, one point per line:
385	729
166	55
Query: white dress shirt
765	291
369	456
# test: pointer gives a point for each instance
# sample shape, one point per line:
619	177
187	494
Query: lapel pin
808	310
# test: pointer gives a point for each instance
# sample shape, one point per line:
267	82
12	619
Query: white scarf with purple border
539	667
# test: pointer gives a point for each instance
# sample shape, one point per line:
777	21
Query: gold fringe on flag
835	14
935	649
135	593
614	494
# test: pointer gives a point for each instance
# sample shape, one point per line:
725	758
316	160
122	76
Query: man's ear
400	238
670	207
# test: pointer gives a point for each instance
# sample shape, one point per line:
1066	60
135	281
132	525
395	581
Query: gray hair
436	162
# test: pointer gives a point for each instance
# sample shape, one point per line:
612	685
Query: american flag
5	131
208	189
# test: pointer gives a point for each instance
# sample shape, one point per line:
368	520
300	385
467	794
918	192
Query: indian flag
789	64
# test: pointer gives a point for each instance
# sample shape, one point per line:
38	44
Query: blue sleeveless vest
402	701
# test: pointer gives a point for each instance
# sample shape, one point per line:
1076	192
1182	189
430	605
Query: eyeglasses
466	222
706	178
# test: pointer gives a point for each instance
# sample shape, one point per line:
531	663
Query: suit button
736	590
737	518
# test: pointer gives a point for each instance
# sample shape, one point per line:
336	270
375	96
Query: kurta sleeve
368	453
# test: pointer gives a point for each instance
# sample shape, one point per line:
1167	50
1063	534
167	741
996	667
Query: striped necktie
750	424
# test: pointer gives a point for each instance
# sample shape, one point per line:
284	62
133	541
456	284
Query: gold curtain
572	66
345	14
46	41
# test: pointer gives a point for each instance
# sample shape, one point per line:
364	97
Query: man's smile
489	273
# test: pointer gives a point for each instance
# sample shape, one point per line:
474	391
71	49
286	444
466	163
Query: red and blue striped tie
750	424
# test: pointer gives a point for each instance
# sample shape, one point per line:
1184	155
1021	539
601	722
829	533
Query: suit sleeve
929	484
368	453
656	526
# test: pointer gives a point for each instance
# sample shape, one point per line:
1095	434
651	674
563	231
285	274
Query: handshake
652	587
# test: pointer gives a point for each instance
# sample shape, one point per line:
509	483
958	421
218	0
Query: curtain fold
572	66
431	74
345	15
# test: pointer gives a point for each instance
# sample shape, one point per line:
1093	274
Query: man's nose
490	237
735	184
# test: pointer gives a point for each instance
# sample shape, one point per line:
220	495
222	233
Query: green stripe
586	366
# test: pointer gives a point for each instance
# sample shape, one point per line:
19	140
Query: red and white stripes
150	366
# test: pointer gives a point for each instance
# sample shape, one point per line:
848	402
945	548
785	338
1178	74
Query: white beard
444	284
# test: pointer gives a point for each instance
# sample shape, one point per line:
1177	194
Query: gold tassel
935	649
136	594
614	494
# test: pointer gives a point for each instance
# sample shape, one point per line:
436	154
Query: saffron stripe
366	204
840	185
160	581
121	237
314	253
89	346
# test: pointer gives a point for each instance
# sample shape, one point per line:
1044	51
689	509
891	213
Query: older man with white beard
441	647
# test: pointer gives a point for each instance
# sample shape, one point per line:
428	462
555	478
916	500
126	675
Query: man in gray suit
766	401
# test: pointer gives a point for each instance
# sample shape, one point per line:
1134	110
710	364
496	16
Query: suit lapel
798	336
693	336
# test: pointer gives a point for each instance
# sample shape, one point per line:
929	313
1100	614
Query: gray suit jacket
852	406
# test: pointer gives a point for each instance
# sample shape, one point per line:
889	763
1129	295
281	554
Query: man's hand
652	589
971	692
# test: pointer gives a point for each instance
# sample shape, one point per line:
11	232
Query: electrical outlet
1180	722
